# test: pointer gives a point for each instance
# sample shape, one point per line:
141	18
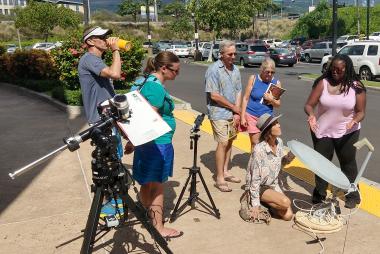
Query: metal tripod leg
194	195
216	210
92	222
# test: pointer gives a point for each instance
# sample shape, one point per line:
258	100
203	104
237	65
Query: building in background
7	6
75	5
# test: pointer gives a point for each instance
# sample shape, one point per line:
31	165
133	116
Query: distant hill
110	5
291	6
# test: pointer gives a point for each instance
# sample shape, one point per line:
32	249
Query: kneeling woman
264	167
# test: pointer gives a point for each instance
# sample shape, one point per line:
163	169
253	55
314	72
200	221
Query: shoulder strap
146	77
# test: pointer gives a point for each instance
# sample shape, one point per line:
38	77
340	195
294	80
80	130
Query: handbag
245	210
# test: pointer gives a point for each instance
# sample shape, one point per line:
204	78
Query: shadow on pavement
30	129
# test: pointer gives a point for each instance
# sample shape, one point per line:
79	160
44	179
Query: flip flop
223	187
168	237
232	179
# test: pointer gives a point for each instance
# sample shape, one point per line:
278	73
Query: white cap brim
97	31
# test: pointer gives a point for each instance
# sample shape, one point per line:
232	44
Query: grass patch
365	82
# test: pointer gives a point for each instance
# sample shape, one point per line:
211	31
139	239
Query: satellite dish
321	166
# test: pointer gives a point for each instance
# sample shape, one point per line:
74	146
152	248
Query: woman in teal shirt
153	161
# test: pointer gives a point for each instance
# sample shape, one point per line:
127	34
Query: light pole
86	11
335	26
367	32
197	54
150	51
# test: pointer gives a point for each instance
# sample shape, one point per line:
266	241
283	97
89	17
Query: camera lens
121	103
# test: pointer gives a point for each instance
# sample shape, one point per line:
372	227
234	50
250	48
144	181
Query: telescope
111	179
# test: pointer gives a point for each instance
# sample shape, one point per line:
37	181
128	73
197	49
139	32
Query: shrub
33	64
2	50
69	97
66	60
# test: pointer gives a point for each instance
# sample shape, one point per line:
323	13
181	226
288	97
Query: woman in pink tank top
335	108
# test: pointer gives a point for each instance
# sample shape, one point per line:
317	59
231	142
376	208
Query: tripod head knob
197	123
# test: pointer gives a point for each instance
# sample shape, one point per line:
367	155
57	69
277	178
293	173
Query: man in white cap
94	75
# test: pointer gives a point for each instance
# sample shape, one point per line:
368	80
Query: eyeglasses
175	71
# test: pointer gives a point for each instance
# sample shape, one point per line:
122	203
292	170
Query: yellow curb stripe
370	194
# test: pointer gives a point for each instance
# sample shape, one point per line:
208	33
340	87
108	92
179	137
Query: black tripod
112	179
193	171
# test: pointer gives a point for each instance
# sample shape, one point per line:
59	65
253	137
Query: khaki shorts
223	130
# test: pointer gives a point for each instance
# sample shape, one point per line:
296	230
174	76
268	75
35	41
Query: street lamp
197	54
150	51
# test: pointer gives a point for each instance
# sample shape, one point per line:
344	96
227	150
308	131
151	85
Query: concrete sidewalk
45	210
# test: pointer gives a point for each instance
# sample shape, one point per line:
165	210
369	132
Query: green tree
42	18
316	24
176	9
217	15
253	8
130	7
182	28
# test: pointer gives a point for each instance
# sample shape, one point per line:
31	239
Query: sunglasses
175	71
338	71
103	38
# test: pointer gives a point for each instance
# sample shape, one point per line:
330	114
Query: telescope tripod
112	179
194	195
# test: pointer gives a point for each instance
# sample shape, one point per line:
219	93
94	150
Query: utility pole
155	10
86	11
150	51
335	26
367	32
358	16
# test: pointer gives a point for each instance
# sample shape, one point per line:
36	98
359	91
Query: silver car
318	51
250	54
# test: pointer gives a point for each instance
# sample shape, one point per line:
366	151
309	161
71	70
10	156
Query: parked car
365	56
161	46
181	50
285	44
283	56
11	48
257	42
277	42
309	43
374	36
44	46
215	51
250	54
347	38
269	43
318	51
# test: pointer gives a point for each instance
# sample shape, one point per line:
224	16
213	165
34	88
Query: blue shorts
153	163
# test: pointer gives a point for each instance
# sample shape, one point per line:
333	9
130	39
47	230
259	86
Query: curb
72	111
311	80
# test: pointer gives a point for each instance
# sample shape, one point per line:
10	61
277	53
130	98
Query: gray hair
225	44
268	62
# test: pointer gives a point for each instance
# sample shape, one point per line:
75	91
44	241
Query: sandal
173	234
232	179
223	187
